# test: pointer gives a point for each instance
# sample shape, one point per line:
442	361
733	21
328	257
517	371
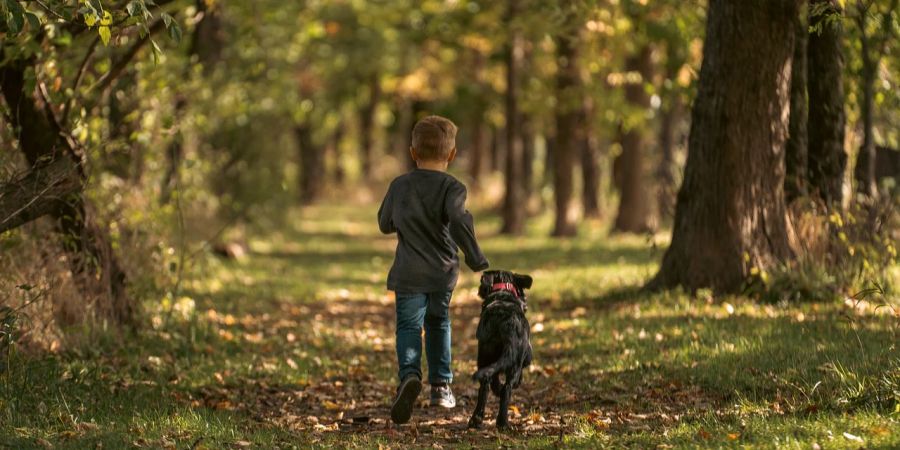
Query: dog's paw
475	423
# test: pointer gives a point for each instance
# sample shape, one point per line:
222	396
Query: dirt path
354	398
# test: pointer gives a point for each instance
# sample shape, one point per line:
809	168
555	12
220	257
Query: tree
312	164
730	211
796	152
56	178
568	126
367	123
827	159
636	210
205	46
874	45
513	201
590	162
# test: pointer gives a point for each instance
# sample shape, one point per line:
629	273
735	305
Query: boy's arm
462	228
386	213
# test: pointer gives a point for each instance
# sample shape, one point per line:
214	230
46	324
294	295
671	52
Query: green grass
285	347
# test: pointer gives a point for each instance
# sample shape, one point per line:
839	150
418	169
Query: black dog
503	345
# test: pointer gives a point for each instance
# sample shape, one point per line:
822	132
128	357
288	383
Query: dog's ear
487	280
523	281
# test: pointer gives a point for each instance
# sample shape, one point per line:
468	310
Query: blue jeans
433	311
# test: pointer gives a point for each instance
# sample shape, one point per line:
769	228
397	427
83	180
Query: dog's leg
478	414
503	413
495	384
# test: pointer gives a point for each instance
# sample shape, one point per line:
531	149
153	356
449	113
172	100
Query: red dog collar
505	287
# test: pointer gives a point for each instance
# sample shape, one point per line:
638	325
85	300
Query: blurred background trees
149	131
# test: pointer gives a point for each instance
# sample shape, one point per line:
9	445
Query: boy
426	208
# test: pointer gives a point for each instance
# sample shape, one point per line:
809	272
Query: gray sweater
427	210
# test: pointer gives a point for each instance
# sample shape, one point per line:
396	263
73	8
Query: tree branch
123	62
75	84
38	192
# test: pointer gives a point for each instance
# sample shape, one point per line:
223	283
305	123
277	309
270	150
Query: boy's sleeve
462	227
386	213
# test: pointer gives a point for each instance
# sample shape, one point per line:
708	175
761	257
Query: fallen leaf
734	436
87	426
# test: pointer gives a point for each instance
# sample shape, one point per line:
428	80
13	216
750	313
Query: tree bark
418	110
590	162
312	165
568	130
864	172
58	169
873	49
497	150
367	125
513	208
636	210
174	155
528	137
37	193
666	187
340	174
827	158
796	152
730	211
477	151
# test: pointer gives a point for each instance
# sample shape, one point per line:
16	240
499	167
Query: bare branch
75	84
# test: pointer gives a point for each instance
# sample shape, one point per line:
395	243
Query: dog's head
495	280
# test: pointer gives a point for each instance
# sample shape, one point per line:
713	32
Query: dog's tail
506	360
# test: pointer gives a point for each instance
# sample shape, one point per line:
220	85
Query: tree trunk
367	126
665	176
528	137
58	169
635	214
497	150
827	158
864	171
730	212
513	207
174	156
340	174
590	162
312	165
872	51
206	44
796	152
37	193
477	151
418	110
568	131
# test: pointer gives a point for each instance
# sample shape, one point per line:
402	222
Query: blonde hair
434	137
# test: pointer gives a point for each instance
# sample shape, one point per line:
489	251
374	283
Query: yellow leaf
330	405
107	19
90	19
734	436
104	34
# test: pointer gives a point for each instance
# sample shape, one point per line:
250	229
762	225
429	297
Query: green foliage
837	256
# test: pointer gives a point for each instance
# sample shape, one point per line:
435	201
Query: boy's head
434	140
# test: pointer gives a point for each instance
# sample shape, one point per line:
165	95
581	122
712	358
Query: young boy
426	208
